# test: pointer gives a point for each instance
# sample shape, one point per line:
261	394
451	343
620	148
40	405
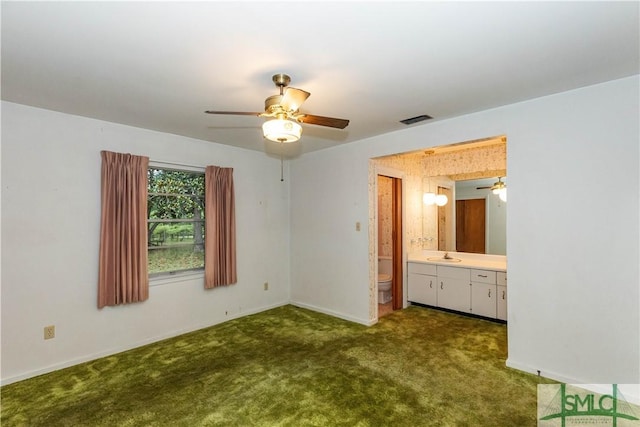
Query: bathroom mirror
444	169
473	220
460	170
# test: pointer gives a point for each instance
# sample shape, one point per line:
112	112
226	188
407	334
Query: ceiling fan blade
235	113
323	121
482	188
293	98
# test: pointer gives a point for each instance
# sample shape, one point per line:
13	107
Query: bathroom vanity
467	283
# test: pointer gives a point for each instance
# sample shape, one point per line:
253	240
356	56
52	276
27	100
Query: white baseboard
631	392
112	351
339	315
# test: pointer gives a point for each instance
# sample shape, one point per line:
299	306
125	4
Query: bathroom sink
442	259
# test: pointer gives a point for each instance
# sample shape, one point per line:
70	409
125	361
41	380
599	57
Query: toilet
385	279
384	288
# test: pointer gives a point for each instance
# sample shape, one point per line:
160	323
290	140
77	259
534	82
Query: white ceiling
159	65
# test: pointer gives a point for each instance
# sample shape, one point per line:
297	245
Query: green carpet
293	367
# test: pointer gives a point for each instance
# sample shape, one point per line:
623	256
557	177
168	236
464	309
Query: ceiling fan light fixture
282	130
500	189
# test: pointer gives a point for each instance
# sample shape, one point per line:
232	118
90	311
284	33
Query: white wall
573	256
50	228
572	228
329	272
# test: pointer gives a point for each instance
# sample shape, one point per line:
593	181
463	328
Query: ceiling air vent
416	119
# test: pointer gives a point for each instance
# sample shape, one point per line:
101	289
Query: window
175	221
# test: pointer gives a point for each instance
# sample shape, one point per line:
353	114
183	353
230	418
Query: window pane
176	221
175	246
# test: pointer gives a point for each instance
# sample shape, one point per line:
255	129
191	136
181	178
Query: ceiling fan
499	188
284	114
496	185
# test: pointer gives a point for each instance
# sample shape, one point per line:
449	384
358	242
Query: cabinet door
483	299
502	302
501	278
454	294
422	289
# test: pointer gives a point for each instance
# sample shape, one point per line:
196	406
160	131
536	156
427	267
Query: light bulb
441	200
429	198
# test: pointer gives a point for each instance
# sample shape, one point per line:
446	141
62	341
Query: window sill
167	279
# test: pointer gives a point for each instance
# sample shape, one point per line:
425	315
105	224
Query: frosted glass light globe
429	198
441	200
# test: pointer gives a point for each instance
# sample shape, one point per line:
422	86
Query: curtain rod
153	162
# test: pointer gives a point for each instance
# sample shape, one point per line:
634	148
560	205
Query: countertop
467	260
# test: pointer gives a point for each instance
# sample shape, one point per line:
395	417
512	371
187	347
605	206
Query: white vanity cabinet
501	296
483	293
469	290
453	288
422	283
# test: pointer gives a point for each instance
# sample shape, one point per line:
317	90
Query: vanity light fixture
282	130
429	198
441	199
434	199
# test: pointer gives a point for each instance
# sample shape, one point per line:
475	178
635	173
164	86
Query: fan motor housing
272	105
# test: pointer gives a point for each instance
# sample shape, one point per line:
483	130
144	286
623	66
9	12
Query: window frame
166	277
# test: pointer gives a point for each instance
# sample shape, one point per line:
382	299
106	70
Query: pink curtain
123	272
220	228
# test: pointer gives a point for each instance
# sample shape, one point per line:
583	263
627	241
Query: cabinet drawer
502	278
420	268
454	272
483	276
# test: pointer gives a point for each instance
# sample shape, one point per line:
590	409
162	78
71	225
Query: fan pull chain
281	162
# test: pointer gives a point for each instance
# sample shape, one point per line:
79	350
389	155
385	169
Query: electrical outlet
49	332
266	286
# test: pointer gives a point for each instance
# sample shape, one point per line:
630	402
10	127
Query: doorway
445	221
397	245
389	242
471	226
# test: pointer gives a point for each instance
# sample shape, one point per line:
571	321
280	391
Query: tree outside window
175	221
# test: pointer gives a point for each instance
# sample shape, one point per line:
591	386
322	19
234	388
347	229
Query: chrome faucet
446	256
